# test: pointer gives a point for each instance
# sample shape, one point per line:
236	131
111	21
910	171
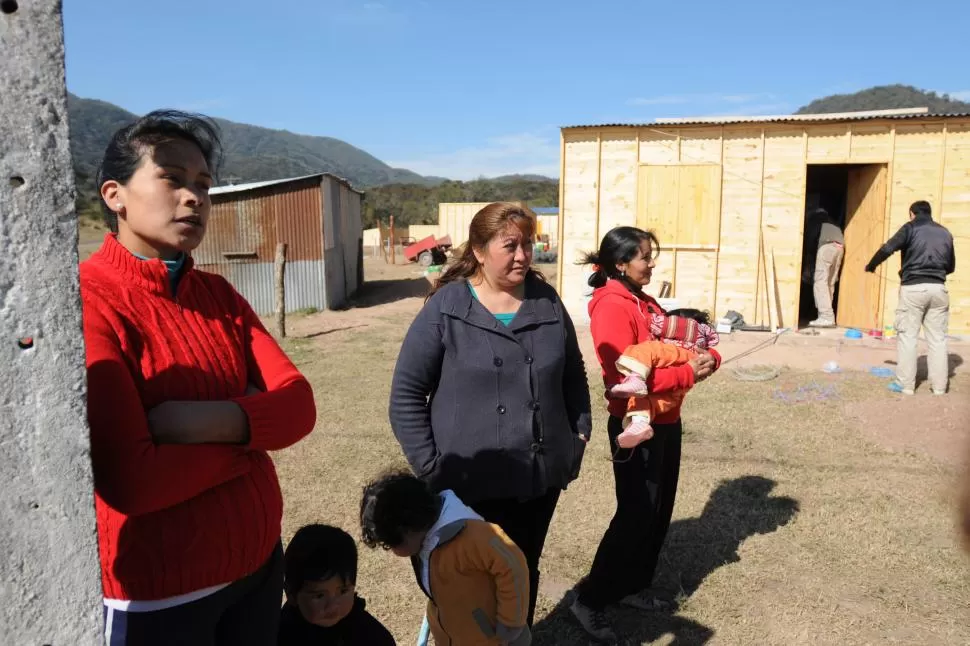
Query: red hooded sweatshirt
619	319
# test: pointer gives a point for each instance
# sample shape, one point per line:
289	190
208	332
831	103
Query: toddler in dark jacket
322	607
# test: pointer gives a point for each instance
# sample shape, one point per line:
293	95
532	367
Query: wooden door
659	188
682	205
860	294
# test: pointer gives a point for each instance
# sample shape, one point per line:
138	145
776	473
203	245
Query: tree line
418	204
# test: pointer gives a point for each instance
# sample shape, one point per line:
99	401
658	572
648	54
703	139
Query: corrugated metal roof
906	113
545	210
238	188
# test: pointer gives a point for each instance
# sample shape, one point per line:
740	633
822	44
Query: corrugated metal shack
317	216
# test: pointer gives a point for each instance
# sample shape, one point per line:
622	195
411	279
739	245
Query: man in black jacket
927	259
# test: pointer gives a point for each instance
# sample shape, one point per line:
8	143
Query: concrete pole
50	589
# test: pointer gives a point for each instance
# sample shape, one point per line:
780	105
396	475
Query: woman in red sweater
646	476
186	394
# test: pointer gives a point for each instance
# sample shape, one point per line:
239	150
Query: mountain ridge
255	153
251	153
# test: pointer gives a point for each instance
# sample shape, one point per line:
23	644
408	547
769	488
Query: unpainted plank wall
454	219
762	196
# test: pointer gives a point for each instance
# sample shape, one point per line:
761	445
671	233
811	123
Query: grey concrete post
50	591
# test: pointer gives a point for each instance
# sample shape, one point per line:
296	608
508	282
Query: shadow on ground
320	333
382	292
695	548
922	371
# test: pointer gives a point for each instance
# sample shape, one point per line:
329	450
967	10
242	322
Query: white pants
828	261
925	305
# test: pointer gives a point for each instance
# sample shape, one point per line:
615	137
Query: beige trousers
926	305
827	265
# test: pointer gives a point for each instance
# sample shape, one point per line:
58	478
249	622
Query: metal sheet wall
308	214
305	284
351	235
254	221
241	238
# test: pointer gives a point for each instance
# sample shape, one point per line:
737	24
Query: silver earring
120	206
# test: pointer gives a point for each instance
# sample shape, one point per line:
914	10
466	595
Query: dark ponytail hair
127	146
619	245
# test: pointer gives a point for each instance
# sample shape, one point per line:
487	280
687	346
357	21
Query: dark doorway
826	187
854	195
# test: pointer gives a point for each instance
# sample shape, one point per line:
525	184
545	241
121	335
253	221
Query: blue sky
463	89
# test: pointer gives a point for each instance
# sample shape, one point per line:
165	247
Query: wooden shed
455	217
547	219
372	238
422	231
728	198
317	216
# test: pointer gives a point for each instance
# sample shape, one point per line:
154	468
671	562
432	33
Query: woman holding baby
645	475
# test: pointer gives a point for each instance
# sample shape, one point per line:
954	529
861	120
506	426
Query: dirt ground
813	508
398	288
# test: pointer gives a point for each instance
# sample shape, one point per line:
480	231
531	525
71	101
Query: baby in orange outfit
680	335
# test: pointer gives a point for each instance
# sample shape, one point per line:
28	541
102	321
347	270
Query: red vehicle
428	251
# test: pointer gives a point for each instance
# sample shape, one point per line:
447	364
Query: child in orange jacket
680	336
476	579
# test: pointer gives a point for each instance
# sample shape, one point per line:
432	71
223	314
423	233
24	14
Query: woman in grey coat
489	396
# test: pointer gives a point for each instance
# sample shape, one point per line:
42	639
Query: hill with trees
417	204
886	97
254	153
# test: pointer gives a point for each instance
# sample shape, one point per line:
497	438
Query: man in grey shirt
828	262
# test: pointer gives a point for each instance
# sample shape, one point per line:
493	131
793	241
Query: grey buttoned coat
487	410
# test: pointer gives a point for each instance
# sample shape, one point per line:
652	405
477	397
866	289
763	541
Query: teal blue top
174	269
504	319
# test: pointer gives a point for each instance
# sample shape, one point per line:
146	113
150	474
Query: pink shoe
631	386
638	431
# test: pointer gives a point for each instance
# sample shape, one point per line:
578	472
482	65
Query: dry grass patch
791	526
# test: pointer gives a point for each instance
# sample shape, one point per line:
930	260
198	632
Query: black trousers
646	486
244	613
526	523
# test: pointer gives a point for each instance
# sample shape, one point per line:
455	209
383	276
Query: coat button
535	447
500	409
528	359
497	361
533	405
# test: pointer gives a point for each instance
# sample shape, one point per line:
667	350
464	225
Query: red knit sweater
177	518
